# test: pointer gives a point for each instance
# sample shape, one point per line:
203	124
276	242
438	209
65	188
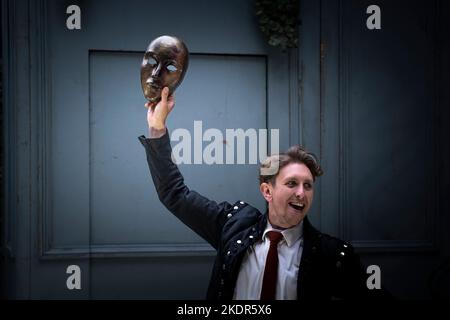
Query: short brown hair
271	167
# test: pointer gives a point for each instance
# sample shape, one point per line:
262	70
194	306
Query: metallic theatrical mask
164	65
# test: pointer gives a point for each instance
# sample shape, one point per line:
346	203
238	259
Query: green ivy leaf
279	22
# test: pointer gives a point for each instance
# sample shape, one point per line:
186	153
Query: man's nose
300	192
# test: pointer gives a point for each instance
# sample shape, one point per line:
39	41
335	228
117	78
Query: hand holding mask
164	65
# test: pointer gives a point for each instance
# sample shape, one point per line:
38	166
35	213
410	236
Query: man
278	255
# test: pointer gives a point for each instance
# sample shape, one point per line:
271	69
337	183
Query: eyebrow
294	178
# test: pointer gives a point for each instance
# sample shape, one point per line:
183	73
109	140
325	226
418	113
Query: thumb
164	95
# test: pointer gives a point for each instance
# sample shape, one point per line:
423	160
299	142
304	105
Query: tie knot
274	237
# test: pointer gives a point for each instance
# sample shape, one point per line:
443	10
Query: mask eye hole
151	61
171	68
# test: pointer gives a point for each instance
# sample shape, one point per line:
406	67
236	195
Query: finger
164	95
171	102
151	105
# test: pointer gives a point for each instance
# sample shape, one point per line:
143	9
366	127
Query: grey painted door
97	207
371	105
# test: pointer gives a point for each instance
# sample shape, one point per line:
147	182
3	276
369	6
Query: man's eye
291	183
152	61
308	186
171	68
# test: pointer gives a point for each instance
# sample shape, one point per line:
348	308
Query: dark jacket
329	268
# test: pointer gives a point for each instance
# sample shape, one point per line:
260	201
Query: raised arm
202	215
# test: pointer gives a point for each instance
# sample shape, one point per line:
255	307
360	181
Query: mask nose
150	81
156	71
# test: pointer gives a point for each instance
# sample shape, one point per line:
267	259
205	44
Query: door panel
376	126
391	122
101	210
220	91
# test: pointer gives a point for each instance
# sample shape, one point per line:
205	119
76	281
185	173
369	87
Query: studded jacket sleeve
204	216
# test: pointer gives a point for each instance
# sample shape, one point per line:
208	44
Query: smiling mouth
297	206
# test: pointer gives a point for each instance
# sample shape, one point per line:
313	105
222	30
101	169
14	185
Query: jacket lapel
310	247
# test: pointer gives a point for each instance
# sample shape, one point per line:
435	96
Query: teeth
298	204
301	205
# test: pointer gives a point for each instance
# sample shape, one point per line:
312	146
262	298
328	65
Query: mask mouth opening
153	86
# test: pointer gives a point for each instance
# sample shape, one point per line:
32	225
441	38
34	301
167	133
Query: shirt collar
290	235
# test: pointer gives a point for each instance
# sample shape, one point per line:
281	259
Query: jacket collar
310	234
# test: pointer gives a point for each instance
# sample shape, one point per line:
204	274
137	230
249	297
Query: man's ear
266	191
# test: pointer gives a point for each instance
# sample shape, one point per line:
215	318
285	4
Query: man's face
164	65
291	197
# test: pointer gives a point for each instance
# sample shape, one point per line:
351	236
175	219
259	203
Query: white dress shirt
250	277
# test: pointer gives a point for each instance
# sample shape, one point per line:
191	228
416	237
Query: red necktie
269	285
